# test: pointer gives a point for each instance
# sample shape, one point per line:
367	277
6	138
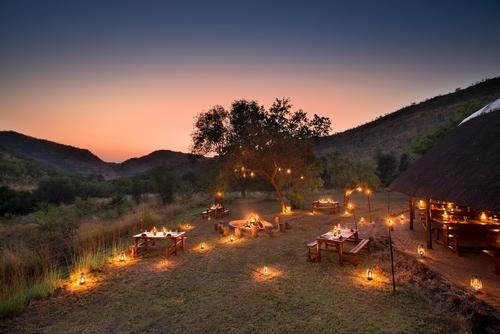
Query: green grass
222	290
19	300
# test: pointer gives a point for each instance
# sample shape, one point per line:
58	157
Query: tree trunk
279	195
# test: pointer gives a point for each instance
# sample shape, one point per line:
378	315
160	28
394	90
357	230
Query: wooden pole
412	211
370	209
392	261
428	222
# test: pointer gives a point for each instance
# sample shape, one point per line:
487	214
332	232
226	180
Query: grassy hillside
63	157
22	174
397	131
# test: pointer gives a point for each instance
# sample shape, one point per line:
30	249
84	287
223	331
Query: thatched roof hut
463	168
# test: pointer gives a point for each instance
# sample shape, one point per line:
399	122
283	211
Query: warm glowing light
266	271
350	206
252	174
483	216
390	222
421	204
402	218
242	168
476	284
231	238
288	210
289	171
421	250
202	246
346	213
219	194
445	215
81	280
244	175
253	218
368	192
362	219
154	230
279	169
122	256
369	274
302	177
359	189
348	192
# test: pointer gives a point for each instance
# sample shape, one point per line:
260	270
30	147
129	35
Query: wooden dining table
173	238
329	239
332	206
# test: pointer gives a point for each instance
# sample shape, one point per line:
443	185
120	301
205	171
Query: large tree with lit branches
252	142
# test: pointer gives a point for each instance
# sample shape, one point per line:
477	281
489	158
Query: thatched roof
463	168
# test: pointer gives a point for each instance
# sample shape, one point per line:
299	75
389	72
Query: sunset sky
124	78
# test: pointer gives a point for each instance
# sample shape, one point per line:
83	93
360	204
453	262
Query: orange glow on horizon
128	112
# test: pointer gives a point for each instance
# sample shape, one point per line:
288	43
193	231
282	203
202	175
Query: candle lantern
231	238
202	246
154	230
266	271
421	251
81	280
483	216
122	256
421	204
369	274
476	284
402	218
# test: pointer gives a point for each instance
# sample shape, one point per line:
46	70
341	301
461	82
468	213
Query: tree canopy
272	144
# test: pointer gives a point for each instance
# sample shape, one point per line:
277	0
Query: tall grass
64	243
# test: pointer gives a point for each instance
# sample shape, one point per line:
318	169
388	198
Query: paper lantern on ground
476	284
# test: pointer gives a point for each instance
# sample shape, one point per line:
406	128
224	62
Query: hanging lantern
476	284
421	204
289	171
81	280
369	274
252	174
421	251
302	177
266	271
122	256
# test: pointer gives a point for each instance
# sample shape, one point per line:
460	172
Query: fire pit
253	221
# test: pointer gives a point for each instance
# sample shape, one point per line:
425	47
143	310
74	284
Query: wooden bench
363	243
134	250
312	252
172	249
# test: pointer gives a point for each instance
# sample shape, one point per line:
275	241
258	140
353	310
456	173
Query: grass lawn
222	289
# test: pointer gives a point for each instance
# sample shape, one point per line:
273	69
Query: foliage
404	162
423	143
341	172
15	202
164	184
386	167
271	145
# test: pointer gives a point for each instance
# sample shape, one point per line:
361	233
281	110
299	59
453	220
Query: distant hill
82	161
161	158
395	132
22	174
63	157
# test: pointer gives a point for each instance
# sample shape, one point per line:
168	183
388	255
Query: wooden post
412	211
254	231
428	222
237	233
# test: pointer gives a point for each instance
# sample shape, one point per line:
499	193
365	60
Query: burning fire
253	218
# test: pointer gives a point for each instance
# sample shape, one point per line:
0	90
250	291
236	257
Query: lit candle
483	216
420	250
266	271
81	280
122	256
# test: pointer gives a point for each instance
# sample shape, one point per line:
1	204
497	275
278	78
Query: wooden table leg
184	241
175	246
340	249
318	250
356	237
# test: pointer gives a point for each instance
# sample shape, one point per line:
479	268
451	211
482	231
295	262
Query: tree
273	145
404	162
386	167
164	184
